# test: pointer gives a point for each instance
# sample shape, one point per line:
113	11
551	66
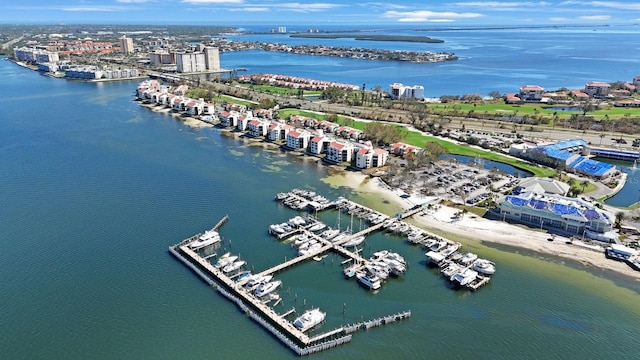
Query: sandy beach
471	227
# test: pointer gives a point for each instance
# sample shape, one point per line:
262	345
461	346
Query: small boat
438	246
380	254
449	250
464	277
236	265
224	261
276	229
330	233
451	269
311	248
267	288
387	223
394	226
255	280
429	243
243	275
281	196
468	258
484	266
339	237
354	241
352	270
371	281
209	237
309	319
317	227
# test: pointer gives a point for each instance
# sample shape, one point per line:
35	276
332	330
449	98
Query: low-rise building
399	91
338	152
531	93
597	90
298	139
557	213
319	144
368	158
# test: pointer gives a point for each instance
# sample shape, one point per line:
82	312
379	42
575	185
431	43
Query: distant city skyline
319	13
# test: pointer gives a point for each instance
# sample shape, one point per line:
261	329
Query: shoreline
476	229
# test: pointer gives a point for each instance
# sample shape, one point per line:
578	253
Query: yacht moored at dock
309	319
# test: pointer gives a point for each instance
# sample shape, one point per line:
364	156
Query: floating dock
265	315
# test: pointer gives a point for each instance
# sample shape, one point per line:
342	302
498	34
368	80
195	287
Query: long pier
265	315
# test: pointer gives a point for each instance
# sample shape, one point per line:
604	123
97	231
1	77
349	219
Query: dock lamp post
541	224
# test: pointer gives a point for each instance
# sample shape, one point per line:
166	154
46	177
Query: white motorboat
468	258
438	246
209	237
267	288
464	277
276	229
451	269
394	226
387	223
311	248
309	319
352	270
330	233
297	221
380	254
484	266
281	196
224	261
255	280
434	257
396	267
449	250
317	227
354	241
339	237
429	243
236	265
371	281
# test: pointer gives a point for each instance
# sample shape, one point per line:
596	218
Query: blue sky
304	12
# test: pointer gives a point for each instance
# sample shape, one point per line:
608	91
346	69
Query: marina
256	294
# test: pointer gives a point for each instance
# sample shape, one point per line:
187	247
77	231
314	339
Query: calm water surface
95	188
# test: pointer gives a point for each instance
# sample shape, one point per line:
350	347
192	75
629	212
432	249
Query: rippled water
95	188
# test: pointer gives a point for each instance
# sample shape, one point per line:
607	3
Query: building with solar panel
571	155
558	214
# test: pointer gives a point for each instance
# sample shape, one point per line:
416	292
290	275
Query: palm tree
584	184
619	218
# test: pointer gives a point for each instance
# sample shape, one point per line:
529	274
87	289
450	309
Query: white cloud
595	17
606	4
502	4
559	19
251	9
428	16
213	1
312	7
91	8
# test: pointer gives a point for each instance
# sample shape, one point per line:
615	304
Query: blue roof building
570	154
557	213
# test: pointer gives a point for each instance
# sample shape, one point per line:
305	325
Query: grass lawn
234	101
419	140
278	90
500	108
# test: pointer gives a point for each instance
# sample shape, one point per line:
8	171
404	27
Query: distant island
403	38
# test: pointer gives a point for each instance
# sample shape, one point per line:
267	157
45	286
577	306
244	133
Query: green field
419	140
283	91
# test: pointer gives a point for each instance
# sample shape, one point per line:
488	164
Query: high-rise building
191	62
212	58
282	29
126	44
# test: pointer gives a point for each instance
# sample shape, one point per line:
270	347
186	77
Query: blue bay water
497	59
95	188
